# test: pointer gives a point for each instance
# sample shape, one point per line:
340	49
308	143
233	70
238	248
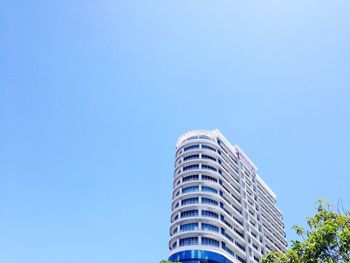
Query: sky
94	94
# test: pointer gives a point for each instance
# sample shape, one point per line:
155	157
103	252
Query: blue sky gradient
93	95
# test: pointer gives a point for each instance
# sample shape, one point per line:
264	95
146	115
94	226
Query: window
191	157
189	227
191	167
228	250
193	177
190	201
208	167
179	152
208	178
208	227
209	189
189	213
241	259
209	214
189	241
204	137
190	148
210	242
190	189
239	233
240	246
238	221
208	148
208	157
228	237
209	201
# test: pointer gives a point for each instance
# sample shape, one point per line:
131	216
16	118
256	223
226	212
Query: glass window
204	156
208	167
210	242
209	189
240	246
189	241
191	157
193	177
209	214
191	167
208	178
228	250
175	231
189	227
190	148
190	189
209	227
208	148
189	213
209	201
190	201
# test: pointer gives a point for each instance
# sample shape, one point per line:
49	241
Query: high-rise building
222	211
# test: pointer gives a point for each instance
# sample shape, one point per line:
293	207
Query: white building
222	211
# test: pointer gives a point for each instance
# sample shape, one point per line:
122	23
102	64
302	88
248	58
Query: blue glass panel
199	256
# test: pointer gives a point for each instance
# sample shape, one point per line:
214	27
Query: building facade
222	211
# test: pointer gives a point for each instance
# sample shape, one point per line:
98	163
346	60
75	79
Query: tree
326	241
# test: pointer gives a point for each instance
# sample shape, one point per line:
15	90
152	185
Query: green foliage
165	261
327	240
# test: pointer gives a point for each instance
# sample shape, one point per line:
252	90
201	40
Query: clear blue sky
93	95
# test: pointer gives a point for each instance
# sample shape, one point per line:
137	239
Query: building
222	211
